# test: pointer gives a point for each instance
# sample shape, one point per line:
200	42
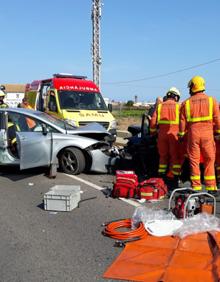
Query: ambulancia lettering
76	87
92	115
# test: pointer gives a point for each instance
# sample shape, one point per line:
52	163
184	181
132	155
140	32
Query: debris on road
170	249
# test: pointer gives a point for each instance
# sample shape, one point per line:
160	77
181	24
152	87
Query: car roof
21	110
32	113
40	115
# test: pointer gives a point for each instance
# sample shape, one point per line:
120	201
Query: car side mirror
110	107
144	126
44	129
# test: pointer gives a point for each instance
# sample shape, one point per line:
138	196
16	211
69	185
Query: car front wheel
72	161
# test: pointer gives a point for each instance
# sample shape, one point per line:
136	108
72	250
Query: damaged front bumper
102	161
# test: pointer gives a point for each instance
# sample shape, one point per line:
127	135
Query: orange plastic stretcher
169	259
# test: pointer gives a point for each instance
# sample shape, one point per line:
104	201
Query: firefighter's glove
180	138
153	135
148	116
217	137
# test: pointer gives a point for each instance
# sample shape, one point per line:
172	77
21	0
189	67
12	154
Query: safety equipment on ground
125	185
162	227
187	202
175	91
196	84
2	93
131	235
152	189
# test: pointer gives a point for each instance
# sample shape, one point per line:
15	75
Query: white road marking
97	187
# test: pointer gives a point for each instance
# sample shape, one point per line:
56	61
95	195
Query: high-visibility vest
161	121
189	118
26	106
3	106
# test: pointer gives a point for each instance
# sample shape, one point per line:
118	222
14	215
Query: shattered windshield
75	100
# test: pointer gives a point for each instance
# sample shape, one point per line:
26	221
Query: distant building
138	104
15	94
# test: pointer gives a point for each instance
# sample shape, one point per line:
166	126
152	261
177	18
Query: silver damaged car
32	139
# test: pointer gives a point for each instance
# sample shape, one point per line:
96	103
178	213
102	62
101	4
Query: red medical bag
152	189
125	185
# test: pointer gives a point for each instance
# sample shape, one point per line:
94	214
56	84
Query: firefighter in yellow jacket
197	116
2	97
166	120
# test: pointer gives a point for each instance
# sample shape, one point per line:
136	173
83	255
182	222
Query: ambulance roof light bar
68	75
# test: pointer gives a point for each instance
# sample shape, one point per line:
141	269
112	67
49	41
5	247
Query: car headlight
71	122
113	124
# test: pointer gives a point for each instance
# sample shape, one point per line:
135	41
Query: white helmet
2	93
175	91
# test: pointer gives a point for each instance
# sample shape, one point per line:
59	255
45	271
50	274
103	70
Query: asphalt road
38	245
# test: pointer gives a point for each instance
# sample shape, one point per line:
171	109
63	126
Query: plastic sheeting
201	222
162	223
145	214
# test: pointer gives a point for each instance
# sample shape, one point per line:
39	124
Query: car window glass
26	123
81	100
19	121
35	125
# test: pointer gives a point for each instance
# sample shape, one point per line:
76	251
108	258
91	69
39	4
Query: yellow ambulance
72	98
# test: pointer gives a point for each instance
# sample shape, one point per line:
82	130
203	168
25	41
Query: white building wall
13	99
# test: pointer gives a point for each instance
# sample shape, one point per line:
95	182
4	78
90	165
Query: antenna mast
96	52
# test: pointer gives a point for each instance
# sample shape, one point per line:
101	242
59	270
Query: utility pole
96	52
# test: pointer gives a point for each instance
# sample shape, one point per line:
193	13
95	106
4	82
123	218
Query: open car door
34	148
3	134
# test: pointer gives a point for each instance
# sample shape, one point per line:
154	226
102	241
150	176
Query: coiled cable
133	234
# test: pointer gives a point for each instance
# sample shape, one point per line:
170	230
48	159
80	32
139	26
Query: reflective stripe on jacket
199	108
204	108
3	106
167	113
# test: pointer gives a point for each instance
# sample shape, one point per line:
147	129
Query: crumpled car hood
92	130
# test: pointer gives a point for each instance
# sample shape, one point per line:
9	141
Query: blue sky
139	39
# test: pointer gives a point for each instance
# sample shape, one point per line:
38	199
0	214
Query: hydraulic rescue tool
185	202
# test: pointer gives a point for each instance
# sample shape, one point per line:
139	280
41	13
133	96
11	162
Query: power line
157	87
164	74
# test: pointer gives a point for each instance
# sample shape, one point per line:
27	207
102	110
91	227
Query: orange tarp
169	259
